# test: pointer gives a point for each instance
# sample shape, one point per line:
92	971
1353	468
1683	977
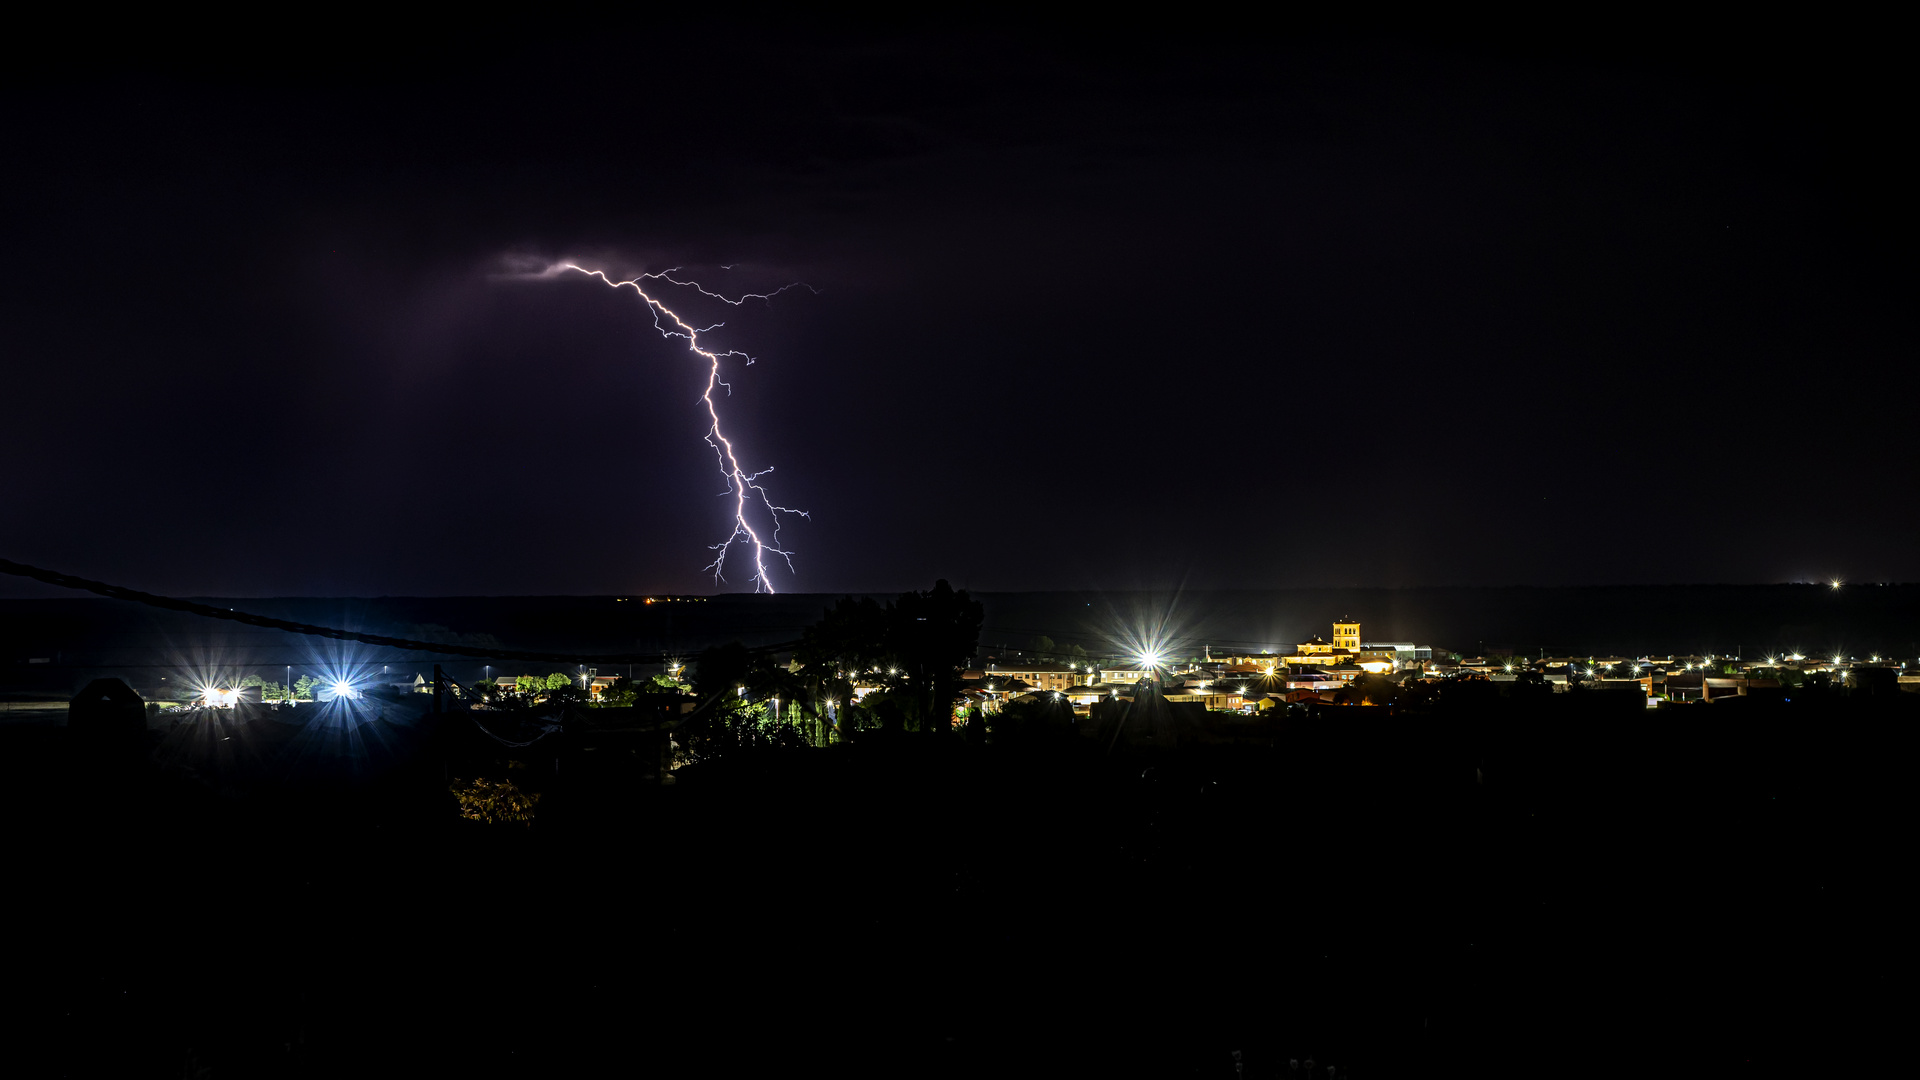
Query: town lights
1835	583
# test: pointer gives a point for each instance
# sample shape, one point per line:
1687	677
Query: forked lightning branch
744	488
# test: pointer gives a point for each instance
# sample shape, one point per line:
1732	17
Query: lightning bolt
739	481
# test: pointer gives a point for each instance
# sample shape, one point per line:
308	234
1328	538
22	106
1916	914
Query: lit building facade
1038	676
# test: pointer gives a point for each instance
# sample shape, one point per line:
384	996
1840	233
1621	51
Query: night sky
1218	307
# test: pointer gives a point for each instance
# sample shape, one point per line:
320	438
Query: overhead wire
171	603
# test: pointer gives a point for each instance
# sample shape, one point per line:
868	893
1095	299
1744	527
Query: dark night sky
1220	307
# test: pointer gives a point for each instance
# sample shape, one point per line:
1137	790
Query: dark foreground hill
1490	887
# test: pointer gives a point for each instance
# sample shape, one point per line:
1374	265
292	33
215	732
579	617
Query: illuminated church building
1345	648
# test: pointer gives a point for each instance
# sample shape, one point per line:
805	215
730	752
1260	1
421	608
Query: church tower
1346	635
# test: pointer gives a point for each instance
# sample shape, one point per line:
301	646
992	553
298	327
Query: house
1642	686
1310	679
1720	689
1401	650
1683	686
1316	646
1211	699
1041	676
1346	672
1318	653
1084	696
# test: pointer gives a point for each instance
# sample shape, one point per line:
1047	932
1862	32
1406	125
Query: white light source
343	689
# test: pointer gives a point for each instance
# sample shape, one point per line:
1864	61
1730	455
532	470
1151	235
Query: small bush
495	802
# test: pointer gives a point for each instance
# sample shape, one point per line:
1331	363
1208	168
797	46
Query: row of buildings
1222	682
1320	668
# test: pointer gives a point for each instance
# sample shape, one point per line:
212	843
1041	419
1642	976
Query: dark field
1489	887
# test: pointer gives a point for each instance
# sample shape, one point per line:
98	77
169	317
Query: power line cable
121	592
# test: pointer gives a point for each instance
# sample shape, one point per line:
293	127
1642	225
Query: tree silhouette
934	634
850	639
721	669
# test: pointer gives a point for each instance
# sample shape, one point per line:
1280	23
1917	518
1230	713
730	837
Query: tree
721	670
934	633
559	680
849	639
1369	689
303	687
